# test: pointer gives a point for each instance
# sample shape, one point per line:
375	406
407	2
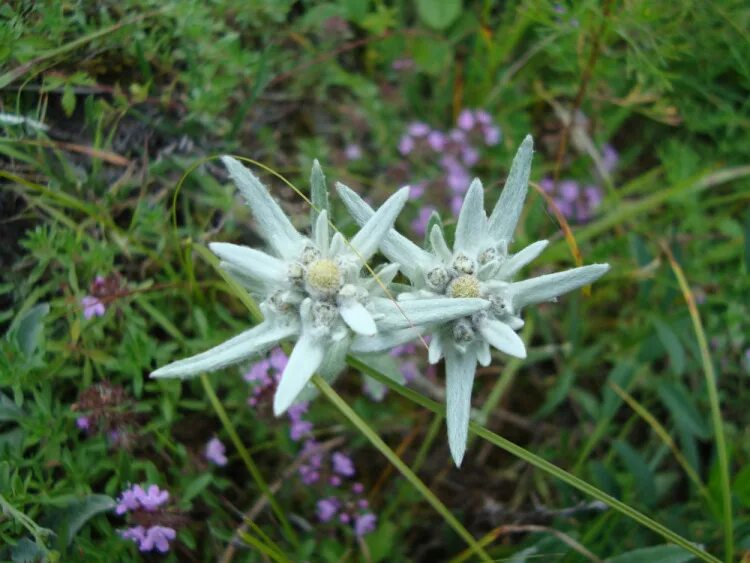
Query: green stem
540	463
713	400
391	456
247	458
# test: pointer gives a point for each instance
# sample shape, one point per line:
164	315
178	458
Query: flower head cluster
102	291
577	203
311	289
145	507
467	297
458	150
106	407
351	509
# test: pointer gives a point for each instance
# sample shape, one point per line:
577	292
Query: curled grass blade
540	463
713	400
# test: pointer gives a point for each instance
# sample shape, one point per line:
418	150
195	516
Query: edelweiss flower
310	289
479	266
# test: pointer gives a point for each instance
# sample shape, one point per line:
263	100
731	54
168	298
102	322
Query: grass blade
391	456
713	400
541	463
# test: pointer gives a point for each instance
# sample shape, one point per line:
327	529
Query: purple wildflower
136	533
403	64
342	464
353	152
437	140
483	117
418	129
610	157
128	501
158	537
406	145
466	120
216	452
92	307
300	427
153	498
327	509
83	422
365	523
416	190
419	225
568	190
492	135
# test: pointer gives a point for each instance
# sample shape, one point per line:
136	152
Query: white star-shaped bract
478	266
310	289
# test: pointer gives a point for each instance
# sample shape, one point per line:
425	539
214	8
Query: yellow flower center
324	275
464	286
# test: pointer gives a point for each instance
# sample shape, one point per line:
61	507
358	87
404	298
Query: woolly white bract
311	289
478	266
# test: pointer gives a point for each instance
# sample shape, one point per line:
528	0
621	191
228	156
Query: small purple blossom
610	158
128	501
299	428
419	225
353	152
406	145
136	534
92	307
466	120
216	452
83	422
437	140
418	129
158	537
402	64
416	190
492	135
342	464
327	509
365	523
151	499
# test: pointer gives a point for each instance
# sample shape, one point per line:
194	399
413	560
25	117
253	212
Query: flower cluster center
464	286
324	275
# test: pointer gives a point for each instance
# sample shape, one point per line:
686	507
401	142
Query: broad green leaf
681	406
68	521
30	327
672	345
195	487
438	14
637	466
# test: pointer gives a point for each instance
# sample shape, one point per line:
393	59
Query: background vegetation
616	389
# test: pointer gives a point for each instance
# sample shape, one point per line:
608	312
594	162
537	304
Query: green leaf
660	553
682	407
67	521
195	487
637	466
30	327
319	191
8	409
672	345
438	14
26	551
431	56
68	100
